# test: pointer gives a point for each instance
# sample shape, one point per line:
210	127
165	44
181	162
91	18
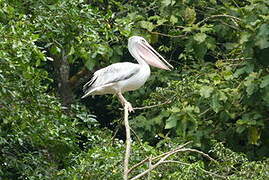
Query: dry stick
157	157
199	152
153	166
137	137
128	143
163	159
152	106
219	15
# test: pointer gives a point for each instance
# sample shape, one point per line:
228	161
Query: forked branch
163	160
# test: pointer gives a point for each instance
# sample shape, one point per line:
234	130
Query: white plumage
121	77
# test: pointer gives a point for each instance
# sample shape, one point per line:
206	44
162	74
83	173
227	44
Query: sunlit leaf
171	122
147	25
200	37
206	91
265	81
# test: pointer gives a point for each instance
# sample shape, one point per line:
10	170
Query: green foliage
219	89
234	105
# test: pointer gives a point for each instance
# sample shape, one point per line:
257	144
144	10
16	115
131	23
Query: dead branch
164	156
152	106
220	15
157	157
137	137
199	152
128	143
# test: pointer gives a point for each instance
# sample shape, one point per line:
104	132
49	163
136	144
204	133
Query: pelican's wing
110	74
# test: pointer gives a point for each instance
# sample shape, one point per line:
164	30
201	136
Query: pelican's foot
129	107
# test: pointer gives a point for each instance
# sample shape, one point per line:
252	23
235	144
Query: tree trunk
62	70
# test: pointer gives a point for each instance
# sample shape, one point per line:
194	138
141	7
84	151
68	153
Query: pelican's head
141	50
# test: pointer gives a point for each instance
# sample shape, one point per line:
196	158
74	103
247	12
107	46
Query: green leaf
200	37
171	122
173	19
161	21
240	129
262	39
265	81
215	103
206	91
147	25
254	135
168	2
250	83
71	51
262	43
263	30
90	64
222	96
244	37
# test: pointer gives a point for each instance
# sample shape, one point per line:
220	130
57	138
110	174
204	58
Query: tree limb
157	157
163	160
152	106
128	143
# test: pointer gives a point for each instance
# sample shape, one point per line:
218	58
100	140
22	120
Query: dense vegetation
217	96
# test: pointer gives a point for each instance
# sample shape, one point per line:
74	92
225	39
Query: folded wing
110	74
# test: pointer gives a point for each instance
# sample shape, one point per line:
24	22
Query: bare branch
179	147
137	137
178	162
164	156
128	143
152	106
138	164
158	157
219	15
199	152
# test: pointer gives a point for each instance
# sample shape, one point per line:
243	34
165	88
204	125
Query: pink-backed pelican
121	77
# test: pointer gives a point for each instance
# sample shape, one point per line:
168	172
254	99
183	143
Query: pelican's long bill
151	56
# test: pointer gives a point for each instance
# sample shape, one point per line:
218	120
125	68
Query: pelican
121	77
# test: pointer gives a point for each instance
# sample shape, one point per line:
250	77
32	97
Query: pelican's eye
143	40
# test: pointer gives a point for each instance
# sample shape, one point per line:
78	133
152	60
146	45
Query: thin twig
235	59
173	150
128	143
179	162
138	164
204	112
157	157
199	152
168	154
113	137
219	15
137	137
167	35
152	106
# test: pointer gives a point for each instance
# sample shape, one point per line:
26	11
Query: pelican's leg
124	102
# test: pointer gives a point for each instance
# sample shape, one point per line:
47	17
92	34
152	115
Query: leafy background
217	96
